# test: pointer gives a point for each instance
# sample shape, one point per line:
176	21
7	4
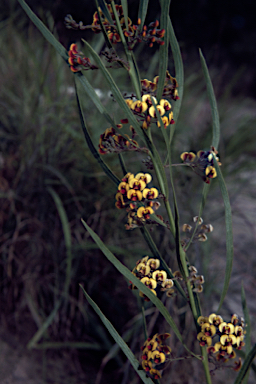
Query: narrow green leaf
179	70
143	9
91	146
37	336
163	50
246	365
44	30
127	273
229	233
119	340
213	103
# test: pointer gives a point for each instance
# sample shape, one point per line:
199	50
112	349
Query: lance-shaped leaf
143	8
163	50
128	274
229	233
119	340
179	70
213	103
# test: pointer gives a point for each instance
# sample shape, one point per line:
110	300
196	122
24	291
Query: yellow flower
211	172
153	263
226	329
158	357
215	319
145	212
188	156
136	184
134	195
123	187
159	275
165	104
204	340
208	329
143	269
139	106
155	373
152	110
146	177
150	194
149	282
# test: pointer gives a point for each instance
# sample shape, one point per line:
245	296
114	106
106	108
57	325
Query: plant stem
206	365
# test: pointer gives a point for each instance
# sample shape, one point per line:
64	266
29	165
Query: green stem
206	365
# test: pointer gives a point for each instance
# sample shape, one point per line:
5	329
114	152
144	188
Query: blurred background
49	181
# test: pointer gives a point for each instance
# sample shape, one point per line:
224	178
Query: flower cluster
133	34
110	141
156	280
200	234
229	336
76	61
170	87
134	195
155	352
202	163
146	112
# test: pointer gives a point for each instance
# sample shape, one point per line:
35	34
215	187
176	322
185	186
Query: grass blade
246	365
91	146
213	103
229	233
119	340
